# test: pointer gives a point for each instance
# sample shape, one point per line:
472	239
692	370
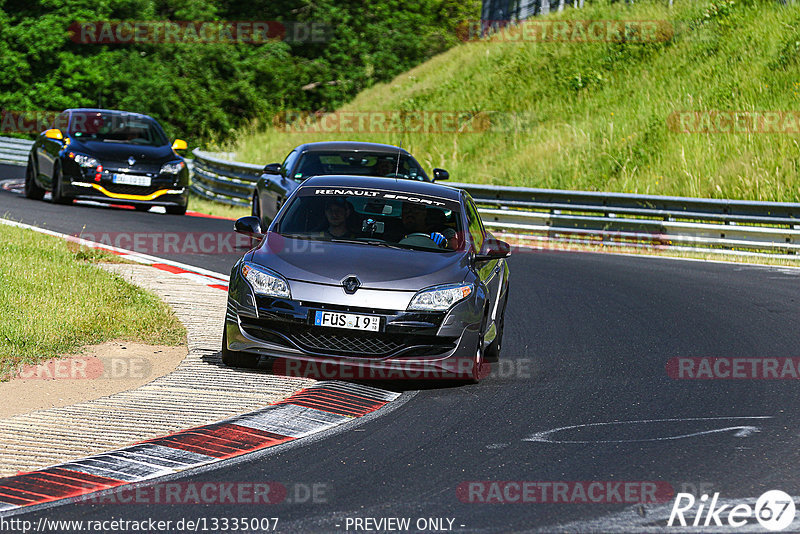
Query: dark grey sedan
332	157
370	273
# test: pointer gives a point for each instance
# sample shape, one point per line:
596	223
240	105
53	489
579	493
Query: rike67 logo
774	510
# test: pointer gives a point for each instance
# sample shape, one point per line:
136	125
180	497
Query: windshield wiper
365	242
298	236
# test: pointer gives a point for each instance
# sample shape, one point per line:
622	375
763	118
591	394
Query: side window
475	226
288	163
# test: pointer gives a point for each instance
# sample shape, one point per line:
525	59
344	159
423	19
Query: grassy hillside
595	115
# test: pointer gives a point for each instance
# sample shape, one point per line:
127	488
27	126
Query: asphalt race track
123	225
588	338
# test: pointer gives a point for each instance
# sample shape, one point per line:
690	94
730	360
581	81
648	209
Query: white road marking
739	431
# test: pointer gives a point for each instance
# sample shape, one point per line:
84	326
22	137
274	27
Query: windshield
375	218
116	128
358	164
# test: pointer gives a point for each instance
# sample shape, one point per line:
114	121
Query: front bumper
156	195
86	184
409	342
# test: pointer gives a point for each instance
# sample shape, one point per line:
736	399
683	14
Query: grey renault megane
370	272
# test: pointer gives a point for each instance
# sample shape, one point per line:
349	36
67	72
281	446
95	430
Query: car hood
376	267
121	152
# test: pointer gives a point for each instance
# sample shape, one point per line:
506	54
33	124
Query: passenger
337	213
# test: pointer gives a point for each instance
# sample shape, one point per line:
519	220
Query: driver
436	222
337	212
385	167
414	217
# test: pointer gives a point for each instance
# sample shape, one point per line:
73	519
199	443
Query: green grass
209	207
596	114
53	301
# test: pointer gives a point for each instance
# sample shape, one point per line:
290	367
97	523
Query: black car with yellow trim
108	156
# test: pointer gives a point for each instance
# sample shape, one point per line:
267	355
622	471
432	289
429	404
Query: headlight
172	168
264	282
439	298
84	161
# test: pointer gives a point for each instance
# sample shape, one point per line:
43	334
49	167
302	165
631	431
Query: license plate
368	323
128	179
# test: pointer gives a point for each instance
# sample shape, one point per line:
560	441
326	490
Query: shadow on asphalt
278	366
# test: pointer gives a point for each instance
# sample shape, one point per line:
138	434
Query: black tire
479	359
142	207
32	189
255	211
232	358
176	210
477	364
493	350
57	194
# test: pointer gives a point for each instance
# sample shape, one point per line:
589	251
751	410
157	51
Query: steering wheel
414	239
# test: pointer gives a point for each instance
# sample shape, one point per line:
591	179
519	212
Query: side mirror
250	226
54	133
440	174
493	249
272	168
179	144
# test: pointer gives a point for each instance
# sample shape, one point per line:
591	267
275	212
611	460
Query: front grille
318	341
124	189
376	345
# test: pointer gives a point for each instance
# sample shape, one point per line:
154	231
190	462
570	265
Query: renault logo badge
351	284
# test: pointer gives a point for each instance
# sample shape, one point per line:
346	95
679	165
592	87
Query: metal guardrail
714	225
14	151
217	179
555	215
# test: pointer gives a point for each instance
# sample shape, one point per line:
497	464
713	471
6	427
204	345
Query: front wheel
58	184
476	366
233	358
176	210
32	189
256	209
493	351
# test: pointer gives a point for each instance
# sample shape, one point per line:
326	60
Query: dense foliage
204	91
602	115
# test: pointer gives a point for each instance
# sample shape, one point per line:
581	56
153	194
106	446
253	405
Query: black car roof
321	146
111	111
373	182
